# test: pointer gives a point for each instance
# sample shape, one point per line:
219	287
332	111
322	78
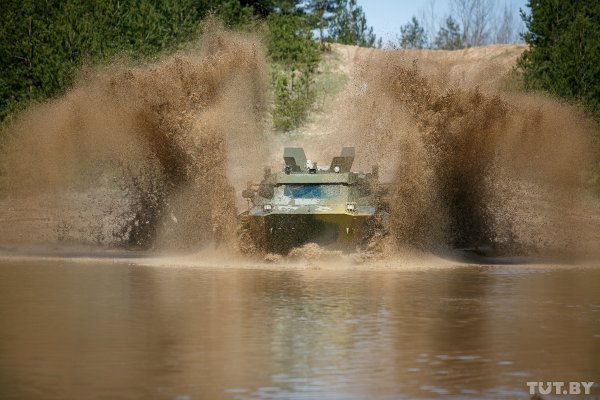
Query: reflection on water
71	330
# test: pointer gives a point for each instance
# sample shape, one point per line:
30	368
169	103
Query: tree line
468	23
44	42
563	57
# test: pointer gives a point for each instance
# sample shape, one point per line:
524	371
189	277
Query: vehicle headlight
267	207
336	169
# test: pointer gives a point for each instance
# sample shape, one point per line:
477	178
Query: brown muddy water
127	329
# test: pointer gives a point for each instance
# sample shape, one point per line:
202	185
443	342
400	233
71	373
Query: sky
386	16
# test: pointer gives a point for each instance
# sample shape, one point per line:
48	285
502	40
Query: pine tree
295	57
287	7
349	25
564	50
320	13
412	35
449	37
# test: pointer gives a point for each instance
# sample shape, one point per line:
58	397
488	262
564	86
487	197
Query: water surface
104	330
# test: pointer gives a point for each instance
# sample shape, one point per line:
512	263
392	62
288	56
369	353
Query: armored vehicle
305	202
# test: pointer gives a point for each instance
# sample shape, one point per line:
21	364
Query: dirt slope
463	65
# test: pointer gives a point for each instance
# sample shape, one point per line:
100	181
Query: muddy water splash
155	144
472	167
151	156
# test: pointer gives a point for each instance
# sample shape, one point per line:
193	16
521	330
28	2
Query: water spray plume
156	156
158	138
470	165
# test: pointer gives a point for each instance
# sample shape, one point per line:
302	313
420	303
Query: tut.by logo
559	387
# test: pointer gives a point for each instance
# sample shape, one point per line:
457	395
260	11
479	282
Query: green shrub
295	57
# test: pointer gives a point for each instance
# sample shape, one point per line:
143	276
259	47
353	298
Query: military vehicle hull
333	207
281	232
